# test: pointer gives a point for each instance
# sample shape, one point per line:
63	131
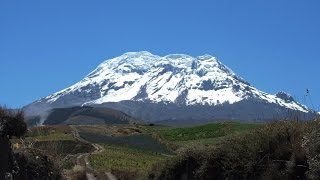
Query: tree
11	124
26	163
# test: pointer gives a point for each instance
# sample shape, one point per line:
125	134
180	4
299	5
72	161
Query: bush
35	165
271	152
124	175
311	144
12	123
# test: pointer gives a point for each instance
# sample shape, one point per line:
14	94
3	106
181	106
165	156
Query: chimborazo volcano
175	87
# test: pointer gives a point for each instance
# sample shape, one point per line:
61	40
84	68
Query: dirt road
83	159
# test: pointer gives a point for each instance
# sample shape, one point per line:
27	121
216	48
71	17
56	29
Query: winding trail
83	159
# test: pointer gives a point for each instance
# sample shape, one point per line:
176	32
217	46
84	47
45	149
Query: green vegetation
205	131
280	150
126	163
141	141
130	151
111	130
50	133
199	135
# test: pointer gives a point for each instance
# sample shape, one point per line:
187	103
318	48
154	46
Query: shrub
272	151
35	165
311	144
124	175
12	123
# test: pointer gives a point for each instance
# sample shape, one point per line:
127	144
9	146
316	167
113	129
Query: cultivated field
199	135
126	151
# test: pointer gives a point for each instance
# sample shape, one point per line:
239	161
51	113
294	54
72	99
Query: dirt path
83	159
110	176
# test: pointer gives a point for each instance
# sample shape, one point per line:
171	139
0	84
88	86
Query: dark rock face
285	96
142	93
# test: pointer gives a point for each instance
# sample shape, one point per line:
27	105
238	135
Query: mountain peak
205	57
145	60
138	53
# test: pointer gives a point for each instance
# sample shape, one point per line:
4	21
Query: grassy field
202	135
128	163
141	141
131	151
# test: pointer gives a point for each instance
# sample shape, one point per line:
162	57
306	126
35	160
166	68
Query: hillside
83	116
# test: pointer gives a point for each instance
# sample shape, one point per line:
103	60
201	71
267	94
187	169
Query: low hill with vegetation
84	115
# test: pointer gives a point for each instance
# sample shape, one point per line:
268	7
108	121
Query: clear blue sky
46	46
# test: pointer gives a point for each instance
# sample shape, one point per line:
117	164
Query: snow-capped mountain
175	86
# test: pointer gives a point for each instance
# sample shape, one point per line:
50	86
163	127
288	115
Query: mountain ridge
176	79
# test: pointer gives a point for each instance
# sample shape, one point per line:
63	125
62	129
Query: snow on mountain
177	79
